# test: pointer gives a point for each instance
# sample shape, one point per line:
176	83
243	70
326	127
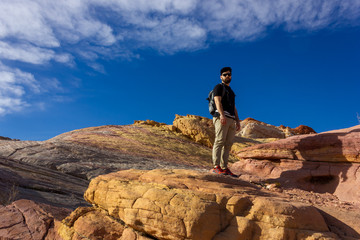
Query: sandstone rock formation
325	162
185	204
328	162
58	171
25	219
200	129
333	146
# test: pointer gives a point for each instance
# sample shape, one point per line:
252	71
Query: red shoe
228	172
218	170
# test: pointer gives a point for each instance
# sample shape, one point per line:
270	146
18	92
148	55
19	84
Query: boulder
200	129
186	204
92	223
302	129
25	219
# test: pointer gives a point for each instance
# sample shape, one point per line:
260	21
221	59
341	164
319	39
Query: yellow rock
185	204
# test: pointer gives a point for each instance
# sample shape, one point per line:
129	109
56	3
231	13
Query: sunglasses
227	74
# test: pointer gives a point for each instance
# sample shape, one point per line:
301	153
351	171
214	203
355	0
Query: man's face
226	77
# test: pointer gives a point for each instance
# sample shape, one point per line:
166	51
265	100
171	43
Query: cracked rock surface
186	204
25	219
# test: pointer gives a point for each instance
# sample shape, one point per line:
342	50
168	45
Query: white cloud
10	105
25	53
171	34
44	32
15	84
249	19
22	20
40	27
145	6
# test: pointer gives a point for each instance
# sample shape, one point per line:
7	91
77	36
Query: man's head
225	75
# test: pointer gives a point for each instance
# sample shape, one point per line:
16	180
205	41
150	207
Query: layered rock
184	204
140	146
25	219
330	159
20	180
333	146
57	171
322	163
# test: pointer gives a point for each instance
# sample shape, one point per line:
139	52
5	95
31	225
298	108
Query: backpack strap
223	92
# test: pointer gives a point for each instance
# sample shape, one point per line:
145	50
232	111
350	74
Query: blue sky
66	65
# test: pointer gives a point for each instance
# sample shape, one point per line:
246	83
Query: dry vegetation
9	194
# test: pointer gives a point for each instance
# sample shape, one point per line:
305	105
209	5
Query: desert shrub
9	194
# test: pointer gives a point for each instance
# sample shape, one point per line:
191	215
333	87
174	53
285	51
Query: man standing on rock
226	122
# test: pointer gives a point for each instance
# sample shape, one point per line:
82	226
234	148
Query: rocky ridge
60	168
81	155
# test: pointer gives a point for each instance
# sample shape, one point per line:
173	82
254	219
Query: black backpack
212	106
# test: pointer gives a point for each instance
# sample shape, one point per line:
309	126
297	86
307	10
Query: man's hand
223	119
219	107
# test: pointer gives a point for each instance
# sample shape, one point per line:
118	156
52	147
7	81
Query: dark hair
225	69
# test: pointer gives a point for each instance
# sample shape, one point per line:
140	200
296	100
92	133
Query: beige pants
224	138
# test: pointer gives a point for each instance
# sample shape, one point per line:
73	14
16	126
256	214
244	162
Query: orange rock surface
185	204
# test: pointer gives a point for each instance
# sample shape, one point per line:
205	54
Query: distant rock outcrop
201	130
184	204
5	138
302	129
252	128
